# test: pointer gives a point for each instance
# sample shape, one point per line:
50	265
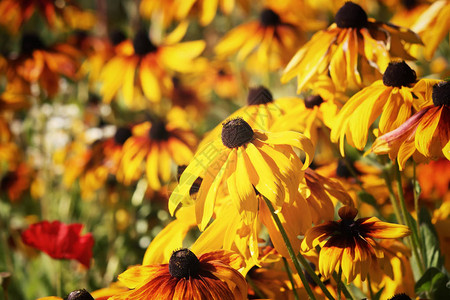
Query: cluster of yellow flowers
335	187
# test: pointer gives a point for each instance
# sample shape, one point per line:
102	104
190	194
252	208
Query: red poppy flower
60	241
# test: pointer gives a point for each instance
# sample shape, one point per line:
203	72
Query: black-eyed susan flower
266	43
261	111
16	181
213	275
248	161
352	51
16	13
393	99
406	13
349	245
143	70
433	26
93	164
168	11
38	63
159	144
434	187
425	135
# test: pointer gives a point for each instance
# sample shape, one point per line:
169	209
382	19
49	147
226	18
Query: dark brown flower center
401	296
399	74
142	44
269	18
121	135
351	15
184	264
343	171
117	36
195	186
158	131
80	295
410	4
30	43
313	100
349	228
441	93
259	95
236	132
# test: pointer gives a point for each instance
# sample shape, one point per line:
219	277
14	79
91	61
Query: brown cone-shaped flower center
80	295
121	135
313	100
351	15
236	132
399	74
441	93
184	264
269	18
349	228
31	42
410	4
401	296
259	95
117	36
158	131
142	44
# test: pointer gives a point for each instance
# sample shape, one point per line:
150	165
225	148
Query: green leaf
377	296
434	283
430	241
367	198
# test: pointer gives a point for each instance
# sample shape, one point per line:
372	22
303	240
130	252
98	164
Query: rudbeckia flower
212	275
350	244
393	99
266	44
60	241
433	26
16	181
158	144
424	135
261	111
92	165
16	13
37	63
433	187
249	161
144	70
352	51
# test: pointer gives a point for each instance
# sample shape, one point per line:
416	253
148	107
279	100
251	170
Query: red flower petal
60	241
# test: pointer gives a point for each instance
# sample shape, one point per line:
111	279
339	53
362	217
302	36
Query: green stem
344	289
369	287
392	197
413	239
289	248
416	200
291	278
314	276
255	288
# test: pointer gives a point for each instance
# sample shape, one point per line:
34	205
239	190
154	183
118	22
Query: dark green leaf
430	241
367	198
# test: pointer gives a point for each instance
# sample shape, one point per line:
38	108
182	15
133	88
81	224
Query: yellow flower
172	10
159	144
267	43
433	25
350	244
261	112
425	135
143	70
213	275
392	98
37	62
351	51
246	160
